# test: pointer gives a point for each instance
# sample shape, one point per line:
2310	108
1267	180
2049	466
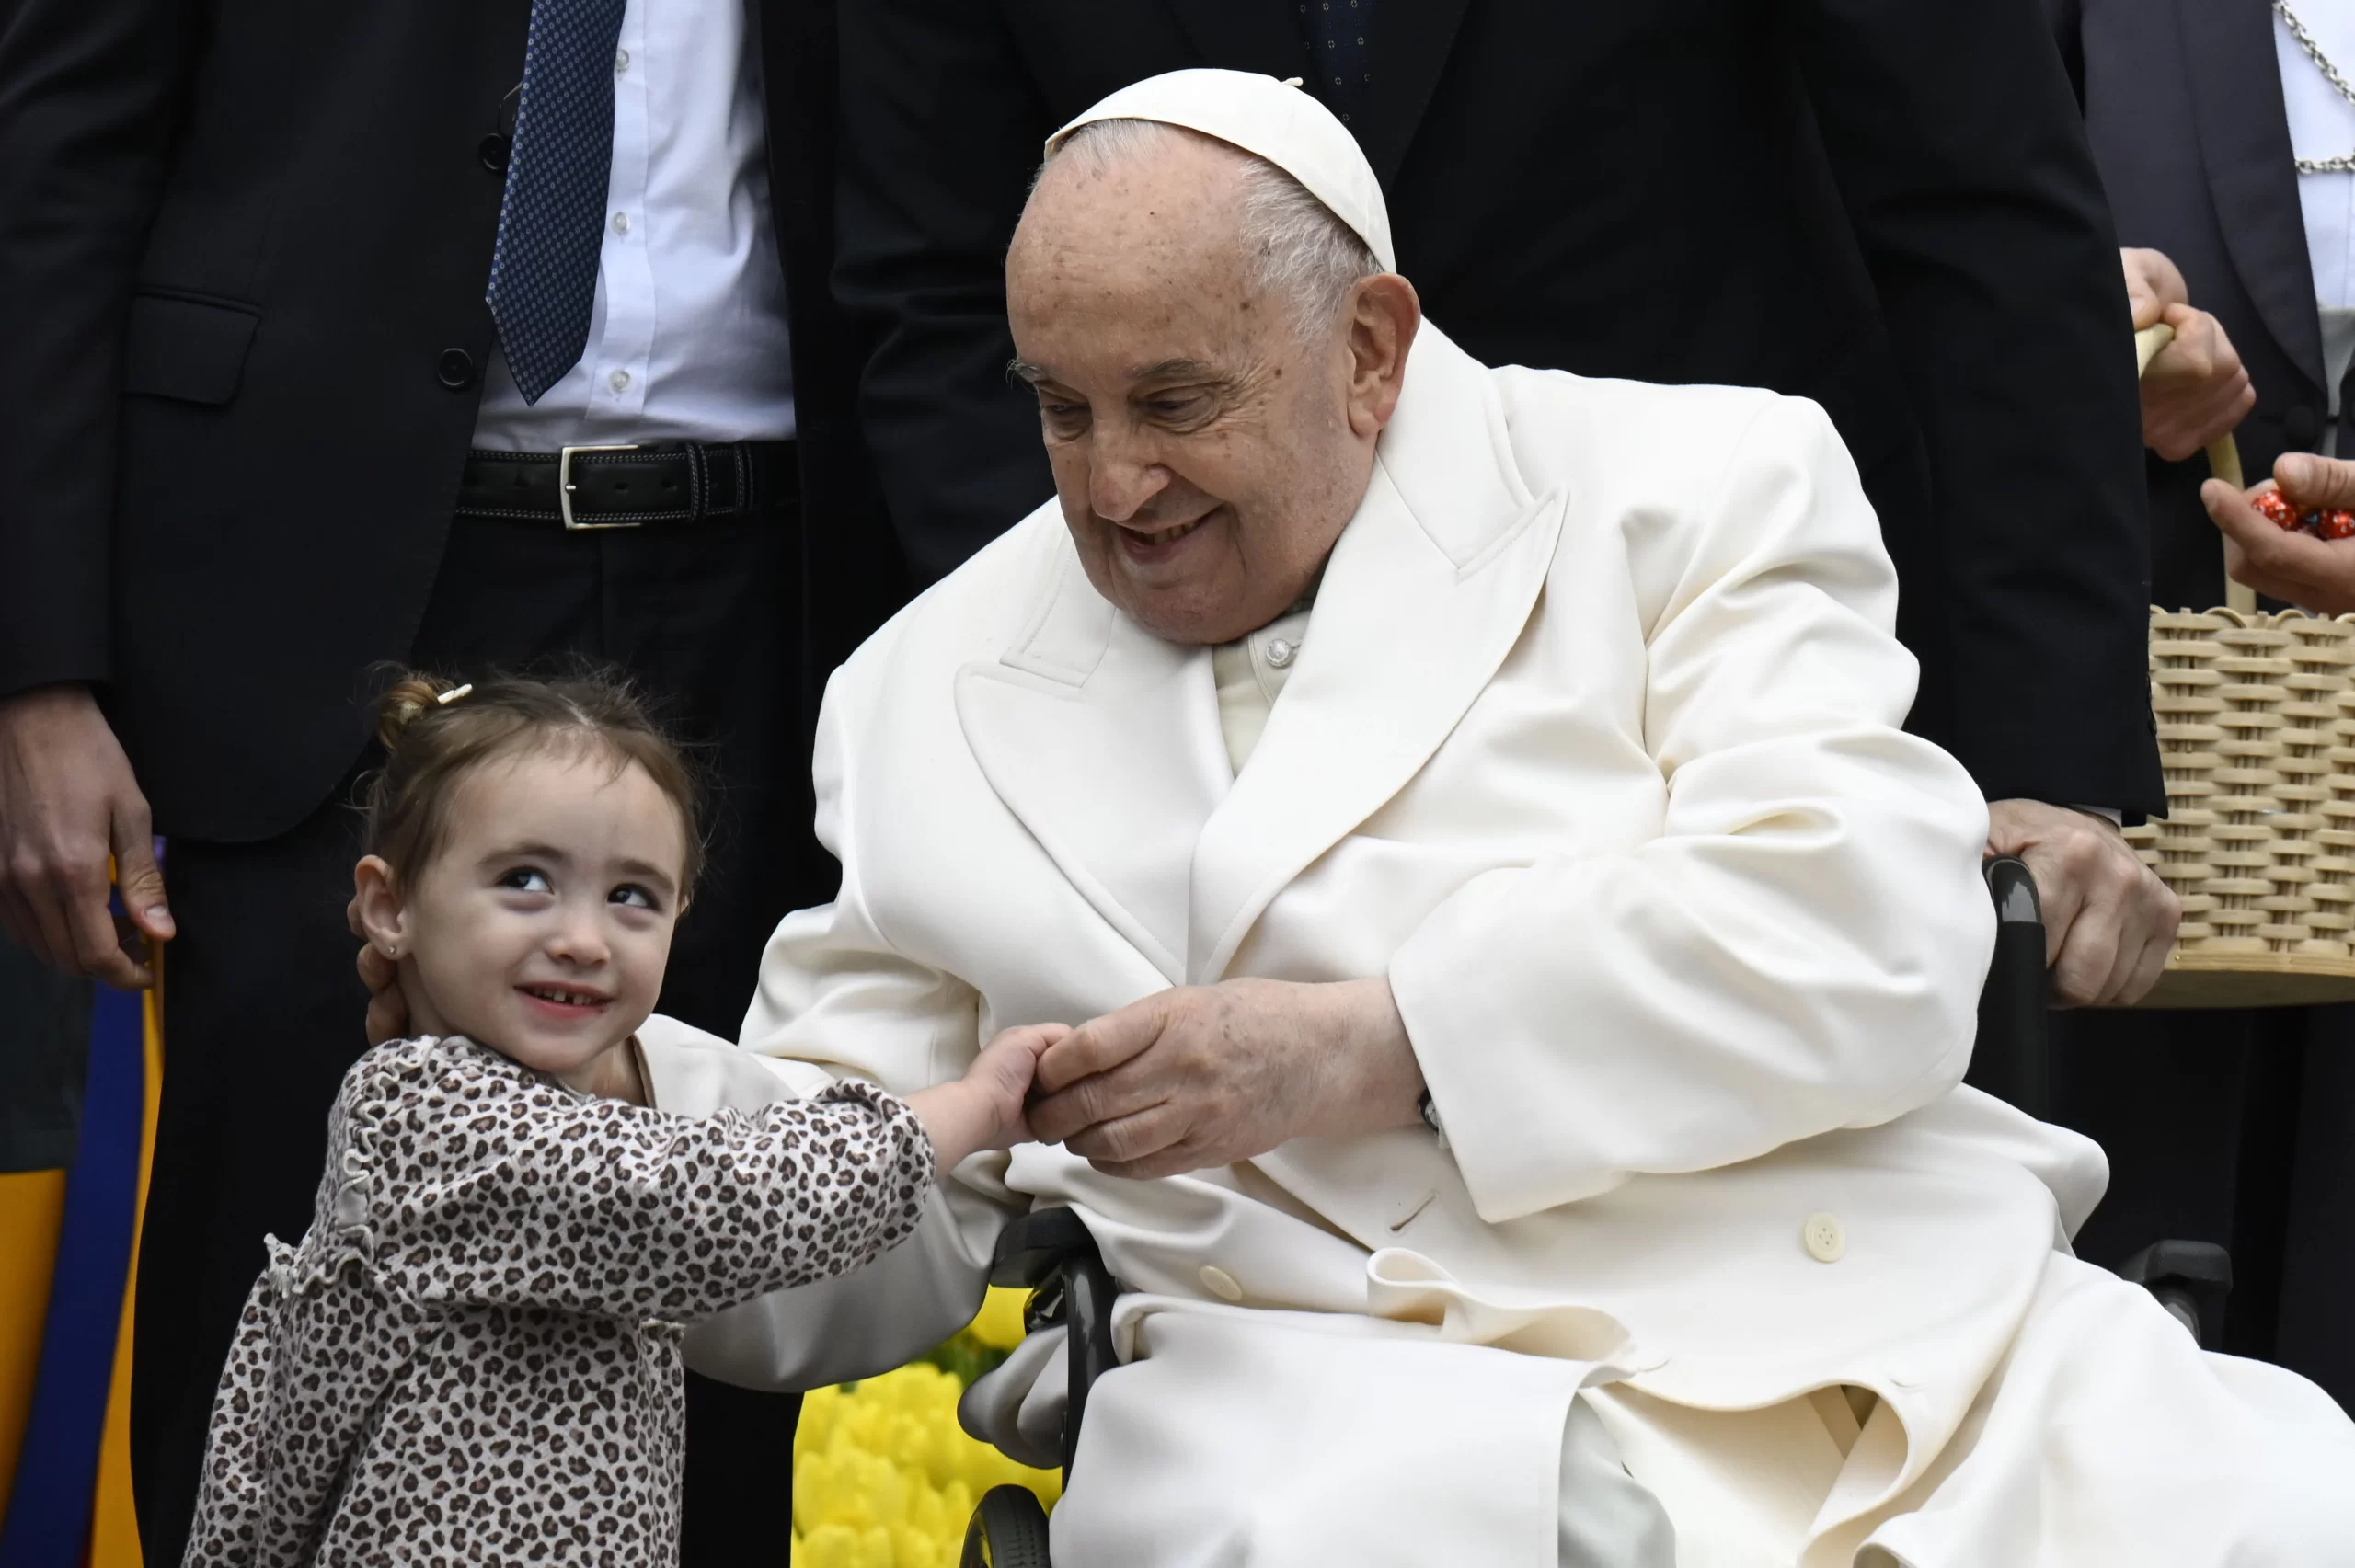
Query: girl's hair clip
453	694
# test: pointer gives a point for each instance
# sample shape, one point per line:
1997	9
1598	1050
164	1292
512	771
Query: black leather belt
628	486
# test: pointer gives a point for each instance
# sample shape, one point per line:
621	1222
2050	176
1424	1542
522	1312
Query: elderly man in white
1521	969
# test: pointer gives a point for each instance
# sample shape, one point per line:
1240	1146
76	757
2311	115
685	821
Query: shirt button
618	380
1279	652
1826	1238
1219	1283
621	60
621	223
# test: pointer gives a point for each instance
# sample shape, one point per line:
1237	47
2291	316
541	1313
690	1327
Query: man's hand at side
1202	1076
68	802
2196	389
2109	921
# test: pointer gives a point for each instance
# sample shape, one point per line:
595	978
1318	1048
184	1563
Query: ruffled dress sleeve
502	1187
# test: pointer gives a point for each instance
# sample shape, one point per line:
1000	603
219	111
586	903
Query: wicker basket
2256	734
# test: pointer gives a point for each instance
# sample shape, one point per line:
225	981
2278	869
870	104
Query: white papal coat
1592	746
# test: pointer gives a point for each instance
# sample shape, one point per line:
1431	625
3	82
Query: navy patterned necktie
552	219
1336	31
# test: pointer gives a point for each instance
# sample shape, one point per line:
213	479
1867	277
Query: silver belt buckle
564	486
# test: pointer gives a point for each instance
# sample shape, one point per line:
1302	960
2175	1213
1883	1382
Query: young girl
473	1353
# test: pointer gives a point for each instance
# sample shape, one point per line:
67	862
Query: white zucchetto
1271	120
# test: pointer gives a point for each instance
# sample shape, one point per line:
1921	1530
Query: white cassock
1591	746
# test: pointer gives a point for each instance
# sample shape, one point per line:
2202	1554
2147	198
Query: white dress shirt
2321	125
1250	673
687	338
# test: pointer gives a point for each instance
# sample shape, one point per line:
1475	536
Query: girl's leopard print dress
473	1356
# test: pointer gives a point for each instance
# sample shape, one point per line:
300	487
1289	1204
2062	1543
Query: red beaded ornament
2337	523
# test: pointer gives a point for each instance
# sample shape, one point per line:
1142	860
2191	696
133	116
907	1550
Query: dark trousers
2235	1126
263	1012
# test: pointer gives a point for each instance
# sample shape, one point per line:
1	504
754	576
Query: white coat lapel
1425	595
1104	740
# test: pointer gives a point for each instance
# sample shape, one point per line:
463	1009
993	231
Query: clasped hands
1202	1076
1190	1078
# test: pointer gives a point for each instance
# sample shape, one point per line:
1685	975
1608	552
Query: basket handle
2223	456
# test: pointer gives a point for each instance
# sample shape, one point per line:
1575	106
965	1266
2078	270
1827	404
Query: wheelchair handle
1051	1252
2012	1058
1032	1250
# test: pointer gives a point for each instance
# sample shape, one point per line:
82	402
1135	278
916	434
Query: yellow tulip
913	1548
828	1546
883	1476
999	1322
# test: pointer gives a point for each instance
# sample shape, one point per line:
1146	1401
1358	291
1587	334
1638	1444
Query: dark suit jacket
2183	105
1888	208
242	249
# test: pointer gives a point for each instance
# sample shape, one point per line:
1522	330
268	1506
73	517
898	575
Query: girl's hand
1002	1074
984	1109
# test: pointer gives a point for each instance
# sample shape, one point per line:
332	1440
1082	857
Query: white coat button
1219	1283
1281	651
1825	1237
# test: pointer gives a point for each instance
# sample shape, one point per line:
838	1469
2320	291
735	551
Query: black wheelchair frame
1050	1252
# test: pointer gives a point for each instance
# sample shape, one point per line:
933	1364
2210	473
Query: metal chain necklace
2345	163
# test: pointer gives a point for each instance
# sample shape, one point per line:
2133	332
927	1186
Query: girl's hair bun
408	700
